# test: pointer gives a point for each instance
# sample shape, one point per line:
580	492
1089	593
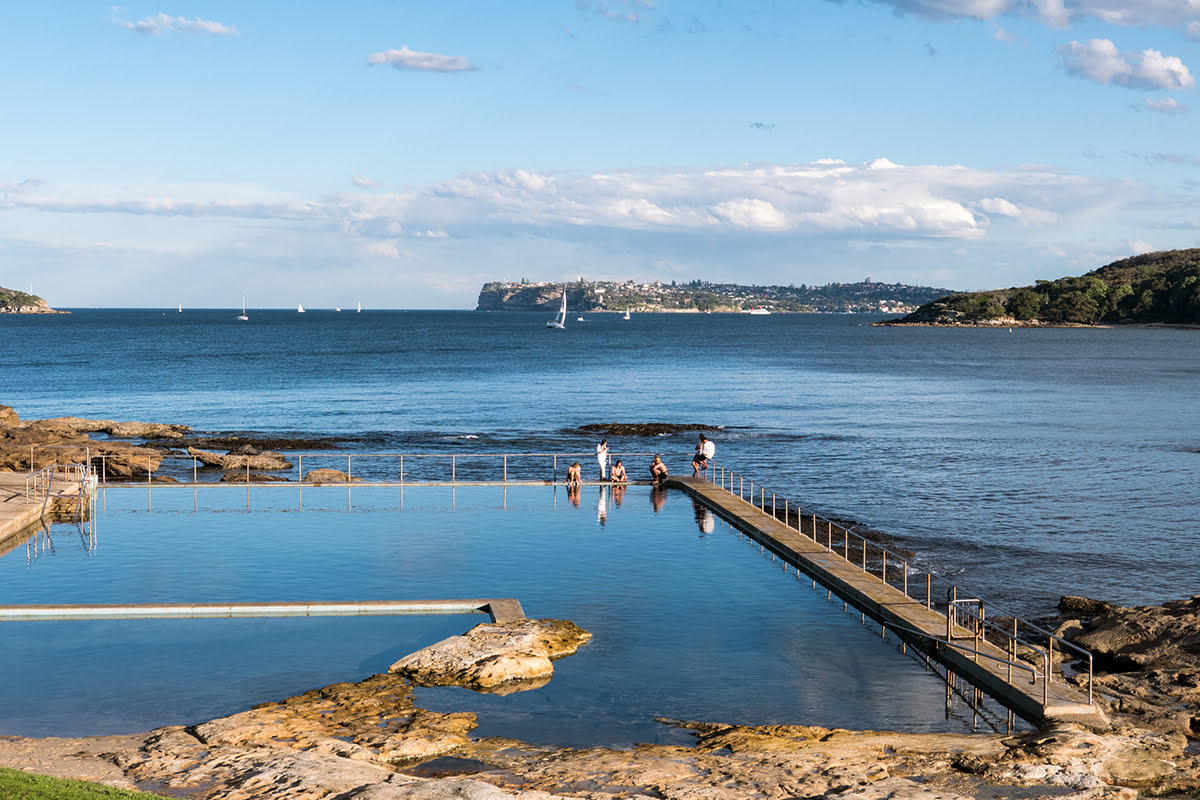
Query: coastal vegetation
1161	287
18	785
866	296
14	302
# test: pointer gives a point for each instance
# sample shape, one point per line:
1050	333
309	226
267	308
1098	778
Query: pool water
689	619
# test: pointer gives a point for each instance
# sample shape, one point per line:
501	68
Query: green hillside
1151	288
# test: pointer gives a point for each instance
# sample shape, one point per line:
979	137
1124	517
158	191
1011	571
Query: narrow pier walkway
22	509
983	663
499	609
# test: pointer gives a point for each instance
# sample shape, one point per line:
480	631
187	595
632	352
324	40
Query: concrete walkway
20	515
900	614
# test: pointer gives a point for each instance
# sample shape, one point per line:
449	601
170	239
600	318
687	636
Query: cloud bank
880	200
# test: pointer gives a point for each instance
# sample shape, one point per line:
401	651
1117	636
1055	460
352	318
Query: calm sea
1024	465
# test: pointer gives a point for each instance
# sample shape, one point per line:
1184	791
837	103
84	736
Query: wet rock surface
643	428
1147	662
261	461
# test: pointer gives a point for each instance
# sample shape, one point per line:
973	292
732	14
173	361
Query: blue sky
402	153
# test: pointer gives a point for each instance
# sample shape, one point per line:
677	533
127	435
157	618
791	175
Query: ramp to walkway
1018	685
25	498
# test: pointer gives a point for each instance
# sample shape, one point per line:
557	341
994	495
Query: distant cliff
866	296
1159	287
14	302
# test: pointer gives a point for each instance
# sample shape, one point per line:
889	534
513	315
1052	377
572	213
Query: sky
400	154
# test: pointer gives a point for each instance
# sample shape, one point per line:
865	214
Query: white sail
359	310
560	319
242	317
300	308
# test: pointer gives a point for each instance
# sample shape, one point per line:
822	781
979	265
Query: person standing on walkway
602	457
705	450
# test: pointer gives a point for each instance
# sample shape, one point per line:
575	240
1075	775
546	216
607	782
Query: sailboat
626	315
242	316
359	309
560	319
181	308
300	308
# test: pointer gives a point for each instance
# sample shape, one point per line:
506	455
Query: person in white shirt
704	451
602	457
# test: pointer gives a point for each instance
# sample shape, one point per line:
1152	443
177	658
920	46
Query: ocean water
1022	465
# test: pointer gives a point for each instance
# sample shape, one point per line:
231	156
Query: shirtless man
658	470
574	474
618	473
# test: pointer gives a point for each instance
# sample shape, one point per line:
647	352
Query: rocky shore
368	741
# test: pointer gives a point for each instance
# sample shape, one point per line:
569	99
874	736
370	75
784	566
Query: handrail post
348	472
506	468
300	468
453	473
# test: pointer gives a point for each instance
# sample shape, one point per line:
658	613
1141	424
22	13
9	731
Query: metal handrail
735	484
452	461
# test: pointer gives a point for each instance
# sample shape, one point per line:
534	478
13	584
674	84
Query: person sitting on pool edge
617	474
658	470
574	474
704	451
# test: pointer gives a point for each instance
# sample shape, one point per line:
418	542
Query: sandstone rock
121	430
1082	606
328	476
241	476
8	417
513	655
263	461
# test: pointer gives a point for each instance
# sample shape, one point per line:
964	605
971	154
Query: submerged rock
644	428
495	657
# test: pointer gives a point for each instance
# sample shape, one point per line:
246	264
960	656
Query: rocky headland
14	302
1149	289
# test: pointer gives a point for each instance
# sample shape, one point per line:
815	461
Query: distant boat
300	308
181	308
626	315
339	308
579	319
242	316
759	310
560	319
359	309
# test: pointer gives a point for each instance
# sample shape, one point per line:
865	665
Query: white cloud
420	62
359	180
165	23
383	249
1100	61
1137	247
624	10
1166	105
1183	14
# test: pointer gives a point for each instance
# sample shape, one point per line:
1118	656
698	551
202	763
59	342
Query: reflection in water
618	494
602	506
704	516
573	494
658	496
